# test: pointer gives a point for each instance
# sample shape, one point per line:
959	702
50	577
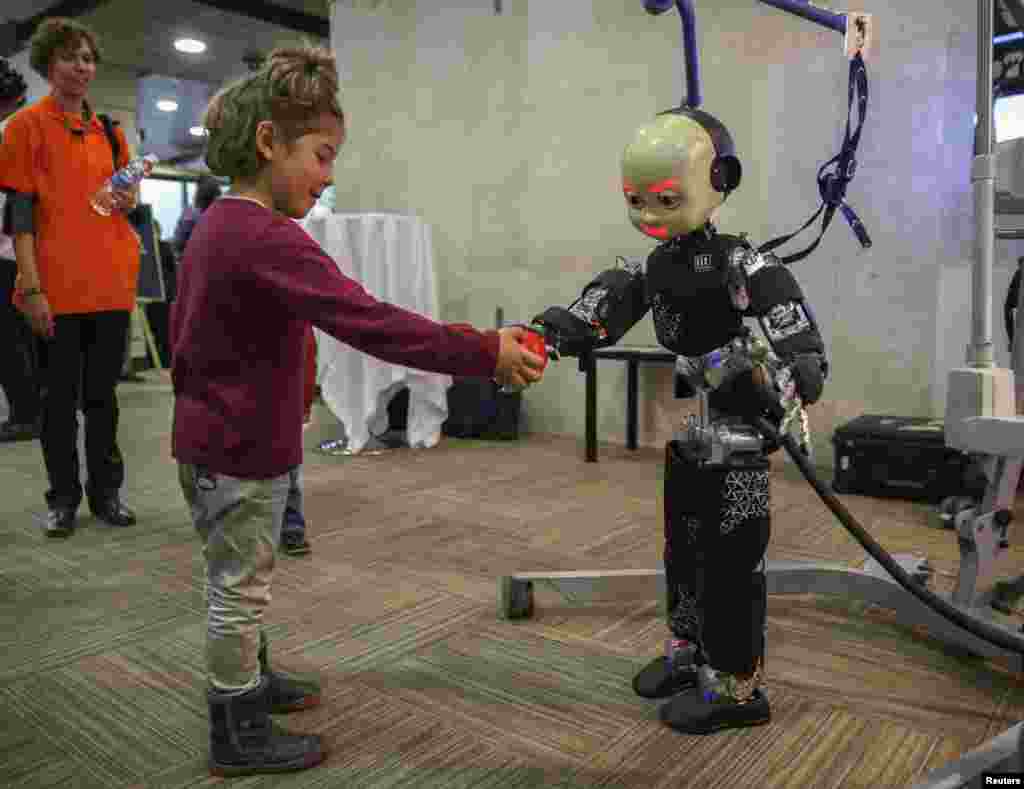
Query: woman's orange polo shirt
86	262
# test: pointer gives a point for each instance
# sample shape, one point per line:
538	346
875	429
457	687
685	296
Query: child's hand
516	365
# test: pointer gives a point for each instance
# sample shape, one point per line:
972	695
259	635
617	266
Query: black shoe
113	512
18	431
293	544
700	712
60	522
244	741
285	692
657	681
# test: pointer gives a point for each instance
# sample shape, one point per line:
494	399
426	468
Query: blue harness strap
832	183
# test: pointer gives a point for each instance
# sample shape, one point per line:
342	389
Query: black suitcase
478	408
900	456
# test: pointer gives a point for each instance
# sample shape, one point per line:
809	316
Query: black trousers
18	358
82	365
717	527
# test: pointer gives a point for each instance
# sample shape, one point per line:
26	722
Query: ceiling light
197	131
167	105
190	46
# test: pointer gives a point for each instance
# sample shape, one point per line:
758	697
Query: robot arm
767	290
608	307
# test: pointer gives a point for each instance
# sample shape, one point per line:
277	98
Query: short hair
12	84
58	34
207	191
292	88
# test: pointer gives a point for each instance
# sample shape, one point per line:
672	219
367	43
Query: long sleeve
306	282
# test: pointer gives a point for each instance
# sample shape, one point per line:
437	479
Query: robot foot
659	680
700	712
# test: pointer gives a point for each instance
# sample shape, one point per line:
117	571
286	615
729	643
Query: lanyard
832	185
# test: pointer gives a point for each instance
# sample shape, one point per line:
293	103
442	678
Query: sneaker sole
722	726
231	770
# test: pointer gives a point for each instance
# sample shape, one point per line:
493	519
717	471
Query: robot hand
750	395
566	333
809	371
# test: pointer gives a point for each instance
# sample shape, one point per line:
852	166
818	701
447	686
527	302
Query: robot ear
726	173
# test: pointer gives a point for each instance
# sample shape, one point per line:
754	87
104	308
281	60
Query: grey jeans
239	522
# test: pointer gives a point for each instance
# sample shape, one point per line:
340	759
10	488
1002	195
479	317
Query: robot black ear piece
726	170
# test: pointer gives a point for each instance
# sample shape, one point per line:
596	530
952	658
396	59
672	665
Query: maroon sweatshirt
249	282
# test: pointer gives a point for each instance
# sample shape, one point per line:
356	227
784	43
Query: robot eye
668	201
634	200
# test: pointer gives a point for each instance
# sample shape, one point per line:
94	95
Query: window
1009	117
167	198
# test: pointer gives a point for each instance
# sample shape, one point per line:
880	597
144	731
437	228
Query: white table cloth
391	255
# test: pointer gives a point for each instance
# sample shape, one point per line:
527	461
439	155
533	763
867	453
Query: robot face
666	177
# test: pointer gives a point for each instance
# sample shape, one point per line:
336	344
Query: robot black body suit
699	288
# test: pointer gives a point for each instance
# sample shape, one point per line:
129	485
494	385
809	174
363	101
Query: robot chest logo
702	264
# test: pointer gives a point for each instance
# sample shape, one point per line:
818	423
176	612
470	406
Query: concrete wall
505	132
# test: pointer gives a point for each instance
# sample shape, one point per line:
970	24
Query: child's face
299	171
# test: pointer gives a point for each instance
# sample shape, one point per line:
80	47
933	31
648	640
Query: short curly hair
292	89
58	34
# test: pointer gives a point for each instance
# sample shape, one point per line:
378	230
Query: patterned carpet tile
533	695
328	637
72	619
99	713
32	756
834	748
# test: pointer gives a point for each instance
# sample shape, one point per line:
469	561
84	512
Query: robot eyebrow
669	184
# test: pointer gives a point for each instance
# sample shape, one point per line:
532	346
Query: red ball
534	343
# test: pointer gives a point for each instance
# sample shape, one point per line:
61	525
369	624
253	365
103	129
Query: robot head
679	168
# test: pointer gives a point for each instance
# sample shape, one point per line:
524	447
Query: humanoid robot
700	285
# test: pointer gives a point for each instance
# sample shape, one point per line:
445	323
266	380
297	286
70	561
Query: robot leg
732	607
735	594
685	512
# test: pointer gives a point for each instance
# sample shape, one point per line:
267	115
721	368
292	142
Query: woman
77	270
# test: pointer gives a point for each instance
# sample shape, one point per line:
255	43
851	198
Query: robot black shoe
658	680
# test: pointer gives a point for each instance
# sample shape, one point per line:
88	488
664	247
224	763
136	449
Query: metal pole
983	179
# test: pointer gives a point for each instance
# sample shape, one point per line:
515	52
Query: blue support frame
803	8
689	20
688	17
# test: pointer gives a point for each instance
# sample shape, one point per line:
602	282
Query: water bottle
122	181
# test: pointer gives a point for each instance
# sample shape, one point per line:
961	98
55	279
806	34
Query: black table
633	355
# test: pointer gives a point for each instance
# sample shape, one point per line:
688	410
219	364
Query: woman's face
73	69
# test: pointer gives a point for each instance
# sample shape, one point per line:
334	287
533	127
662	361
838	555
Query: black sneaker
60	522
705	712
294	544
658	680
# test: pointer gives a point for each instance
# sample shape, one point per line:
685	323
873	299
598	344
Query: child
250	281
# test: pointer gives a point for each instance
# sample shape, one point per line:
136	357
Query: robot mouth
656	232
